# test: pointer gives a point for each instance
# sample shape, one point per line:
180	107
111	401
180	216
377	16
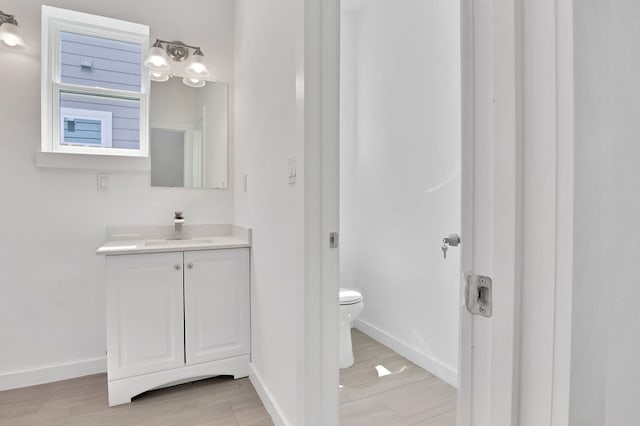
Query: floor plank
219	401
382	387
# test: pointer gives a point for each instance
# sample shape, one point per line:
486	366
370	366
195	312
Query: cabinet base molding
122	390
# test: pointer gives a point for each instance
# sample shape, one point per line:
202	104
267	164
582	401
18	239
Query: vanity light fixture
10	33
158	63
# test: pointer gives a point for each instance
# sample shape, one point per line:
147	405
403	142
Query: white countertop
158	239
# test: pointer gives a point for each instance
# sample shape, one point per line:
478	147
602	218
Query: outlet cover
103	182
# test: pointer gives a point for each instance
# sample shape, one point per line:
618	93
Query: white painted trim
94	20
467	101
491	136
330	208
563	296
266	397
52	373
432	365
319	372
103	163
507	214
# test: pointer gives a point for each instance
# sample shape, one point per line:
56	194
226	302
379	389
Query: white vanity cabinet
174	317
216	304
145	331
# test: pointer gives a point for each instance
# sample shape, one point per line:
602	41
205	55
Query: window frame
55	21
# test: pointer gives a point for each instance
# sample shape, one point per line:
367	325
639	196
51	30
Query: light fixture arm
173	43
5	18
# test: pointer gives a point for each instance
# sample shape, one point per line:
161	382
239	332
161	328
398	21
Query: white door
145	327
490	210
217	304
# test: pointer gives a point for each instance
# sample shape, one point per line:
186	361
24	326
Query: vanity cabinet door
145	326
217	304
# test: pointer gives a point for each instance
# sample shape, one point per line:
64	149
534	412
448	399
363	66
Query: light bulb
11	35
157	59
159	76
10	41
193	82
196	67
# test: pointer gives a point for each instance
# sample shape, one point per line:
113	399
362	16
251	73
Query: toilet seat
349	297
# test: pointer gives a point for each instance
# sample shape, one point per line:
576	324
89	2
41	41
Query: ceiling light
196	67
157	59
10	33
193	82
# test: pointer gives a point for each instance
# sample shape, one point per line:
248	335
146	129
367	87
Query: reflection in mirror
188	135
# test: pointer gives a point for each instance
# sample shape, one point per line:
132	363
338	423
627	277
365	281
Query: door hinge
334	239
478	295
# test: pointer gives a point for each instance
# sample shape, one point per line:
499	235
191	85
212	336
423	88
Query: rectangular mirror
188	134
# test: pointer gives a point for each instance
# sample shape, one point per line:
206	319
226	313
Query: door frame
319	369
491	45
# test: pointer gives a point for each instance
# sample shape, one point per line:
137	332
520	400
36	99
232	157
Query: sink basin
173	243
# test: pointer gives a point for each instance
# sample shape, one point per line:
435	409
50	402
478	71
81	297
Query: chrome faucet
178	220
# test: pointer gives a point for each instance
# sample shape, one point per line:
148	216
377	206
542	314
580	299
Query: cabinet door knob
177	267
190	265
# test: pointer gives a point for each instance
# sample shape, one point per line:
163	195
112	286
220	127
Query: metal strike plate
478	295
334	240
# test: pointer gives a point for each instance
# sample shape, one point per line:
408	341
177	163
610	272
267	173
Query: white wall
51	281
265	131
348	147
605	386
400	171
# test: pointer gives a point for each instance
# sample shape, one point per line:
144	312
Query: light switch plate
292	173
103	182
245	182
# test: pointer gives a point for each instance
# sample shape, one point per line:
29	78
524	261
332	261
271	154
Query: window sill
92	162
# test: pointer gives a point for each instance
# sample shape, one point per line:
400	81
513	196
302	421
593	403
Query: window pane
100	121
100	62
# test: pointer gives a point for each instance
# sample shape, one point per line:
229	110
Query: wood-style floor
383	388
83	401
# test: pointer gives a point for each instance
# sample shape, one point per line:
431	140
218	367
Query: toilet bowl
351	305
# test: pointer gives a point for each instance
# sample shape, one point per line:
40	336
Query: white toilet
351	305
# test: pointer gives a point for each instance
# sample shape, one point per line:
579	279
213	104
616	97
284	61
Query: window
94	85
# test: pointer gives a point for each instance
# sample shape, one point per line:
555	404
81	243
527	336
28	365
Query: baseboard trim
428	363
52	373
265	395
